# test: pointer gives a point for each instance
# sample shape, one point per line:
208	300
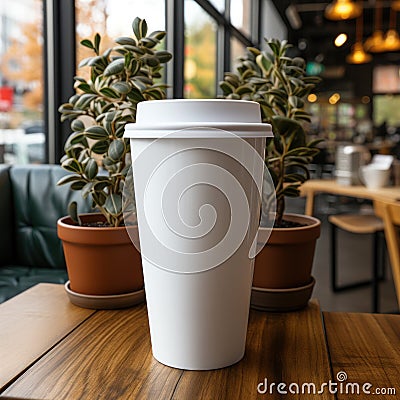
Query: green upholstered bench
30	204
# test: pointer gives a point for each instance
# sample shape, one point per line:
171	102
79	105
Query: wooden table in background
50	349
312	187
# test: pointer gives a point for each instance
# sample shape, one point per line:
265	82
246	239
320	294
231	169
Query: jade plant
96	153
280	85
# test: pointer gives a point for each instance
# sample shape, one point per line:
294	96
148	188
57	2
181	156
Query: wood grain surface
109	357
31	323
79	354
367	348
288	348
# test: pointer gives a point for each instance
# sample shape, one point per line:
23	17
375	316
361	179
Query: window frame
60	56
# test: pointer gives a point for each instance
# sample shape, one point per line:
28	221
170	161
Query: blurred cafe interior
353	46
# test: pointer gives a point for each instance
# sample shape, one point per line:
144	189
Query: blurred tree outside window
22	138
200	66
112	19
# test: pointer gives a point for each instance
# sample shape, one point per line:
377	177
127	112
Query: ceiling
316	34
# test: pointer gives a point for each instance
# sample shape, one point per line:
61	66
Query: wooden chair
390	214
359	224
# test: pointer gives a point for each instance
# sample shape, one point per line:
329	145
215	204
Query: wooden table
50	349
314	186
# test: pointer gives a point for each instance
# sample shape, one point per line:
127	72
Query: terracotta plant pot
286	260
100	261
285	263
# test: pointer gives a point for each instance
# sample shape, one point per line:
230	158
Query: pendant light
395	5
392	40
376	43
343	9
358	55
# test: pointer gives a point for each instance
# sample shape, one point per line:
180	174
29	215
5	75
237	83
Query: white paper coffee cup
198	168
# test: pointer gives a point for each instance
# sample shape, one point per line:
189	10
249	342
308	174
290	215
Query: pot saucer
105	302
281	300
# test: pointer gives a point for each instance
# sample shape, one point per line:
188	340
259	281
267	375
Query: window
205	36
238	49
216	34
113	18
200	69
241	15
218	4
386	110
22	133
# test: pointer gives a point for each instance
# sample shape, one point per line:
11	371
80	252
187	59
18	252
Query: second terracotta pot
100	261
286	260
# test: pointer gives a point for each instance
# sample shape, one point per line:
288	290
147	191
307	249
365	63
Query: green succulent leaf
97	61
74	138
121	87
126	40
295	177
73	212
108	92
158	35
96	132
91	169
100	147
227	87
113	204
84	101
86	189
241	90
263	63
151	61
85	88
115	67
99	198
139	27
163	56
84	62
134	49
116	150
286	126
148	43
136	95
100	186
78	185
72	165
67	179
77	125
97	39
156	94
291	192
87	43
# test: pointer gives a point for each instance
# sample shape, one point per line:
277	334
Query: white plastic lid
198	119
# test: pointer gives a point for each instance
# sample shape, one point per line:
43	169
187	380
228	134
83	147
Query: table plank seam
36	360
176	385
327	348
